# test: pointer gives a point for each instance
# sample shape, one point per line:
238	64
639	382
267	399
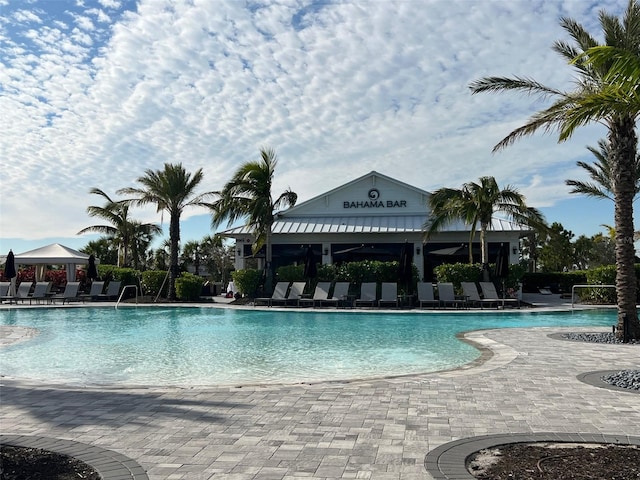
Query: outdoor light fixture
515	250
418	251
239	252
326	251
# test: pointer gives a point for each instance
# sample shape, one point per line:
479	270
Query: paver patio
378	429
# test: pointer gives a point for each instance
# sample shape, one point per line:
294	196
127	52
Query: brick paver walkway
363	430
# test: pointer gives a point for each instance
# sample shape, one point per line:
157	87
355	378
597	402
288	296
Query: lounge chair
388	294
4	289
95	291
425	295
447	296
279	295
70	293
113	290
367	294
295	293
41	291
470	291
339	296
320	293
21	294
489	293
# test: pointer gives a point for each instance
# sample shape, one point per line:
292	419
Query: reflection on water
196	346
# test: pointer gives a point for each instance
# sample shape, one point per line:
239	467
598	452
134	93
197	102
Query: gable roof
53	254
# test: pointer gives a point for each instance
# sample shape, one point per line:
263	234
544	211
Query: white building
371	217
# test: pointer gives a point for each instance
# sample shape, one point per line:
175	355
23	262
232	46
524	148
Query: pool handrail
573	288
122	293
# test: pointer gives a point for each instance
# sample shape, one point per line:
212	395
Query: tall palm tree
475	204
602	93
123	230
248	195
171	189
601	174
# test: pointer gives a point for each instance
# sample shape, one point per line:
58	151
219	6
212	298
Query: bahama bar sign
375	202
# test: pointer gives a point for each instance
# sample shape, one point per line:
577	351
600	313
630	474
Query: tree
605	91
192	255
556	254
123	231
601	174
171	189
249	195
475	204
102	248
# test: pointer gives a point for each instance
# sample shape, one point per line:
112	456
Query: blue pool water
211	346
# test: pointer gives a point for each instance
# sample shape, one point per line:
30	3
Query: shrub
247	281
188	286
152	281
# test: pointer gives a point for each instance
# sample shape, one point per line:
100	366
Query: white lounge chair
489	293
40	292
295	293
21	294
95	291
339	296
113	290
447	296
4	289
70	293
279	294
321	292
388	294
368	295
425	295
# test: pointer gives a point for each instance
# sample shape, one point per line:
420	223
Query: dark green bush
152	282
247	281
557	281
189	286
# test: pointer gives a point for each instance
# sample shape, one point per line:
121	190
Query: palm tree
475	204
122	230
171	189
602	93
601	174
248	195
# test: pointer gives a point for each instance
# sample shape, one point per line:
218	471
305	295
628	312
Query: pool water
212	346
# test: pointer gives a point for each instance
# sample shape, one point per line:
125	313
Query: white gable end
372	194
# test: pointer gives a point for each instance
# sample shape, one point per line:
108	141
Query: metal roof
363	224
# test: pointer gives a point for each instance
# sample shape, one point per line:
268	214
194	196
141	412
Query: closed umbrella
405	269
502	265
310	267
10	272
92	271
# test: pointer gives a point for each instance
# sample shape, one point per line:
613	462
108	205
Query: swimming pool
221	346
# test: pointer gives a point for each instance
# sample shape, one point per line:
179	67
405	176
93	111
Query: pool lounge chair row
42	292
470	298
287	293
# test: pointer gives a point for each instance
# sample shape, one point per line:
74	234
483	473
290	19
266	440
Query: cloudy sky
94	92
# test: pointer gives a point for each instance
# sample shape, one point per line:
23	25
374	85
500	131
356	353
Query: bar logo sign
374	202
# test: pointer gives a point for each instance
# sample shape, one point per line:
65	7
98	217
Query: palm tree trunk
623	142
483	244
174	240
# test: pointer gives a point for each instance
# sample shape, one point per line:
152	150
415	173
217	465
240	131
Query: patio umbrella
10	272
310	267
92	271
405	269
502	265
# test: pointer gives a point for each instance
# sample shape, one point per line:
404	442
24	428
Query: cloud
95	95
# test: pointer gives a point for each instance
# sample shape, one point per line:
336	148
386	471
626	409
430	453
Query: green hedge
465	272
152	282
189	286
247	281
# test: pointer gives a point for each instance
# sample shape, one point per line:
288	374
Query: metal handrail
122	293
587	286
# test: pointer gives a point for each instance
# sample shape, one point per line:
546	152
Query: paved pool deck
527	382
